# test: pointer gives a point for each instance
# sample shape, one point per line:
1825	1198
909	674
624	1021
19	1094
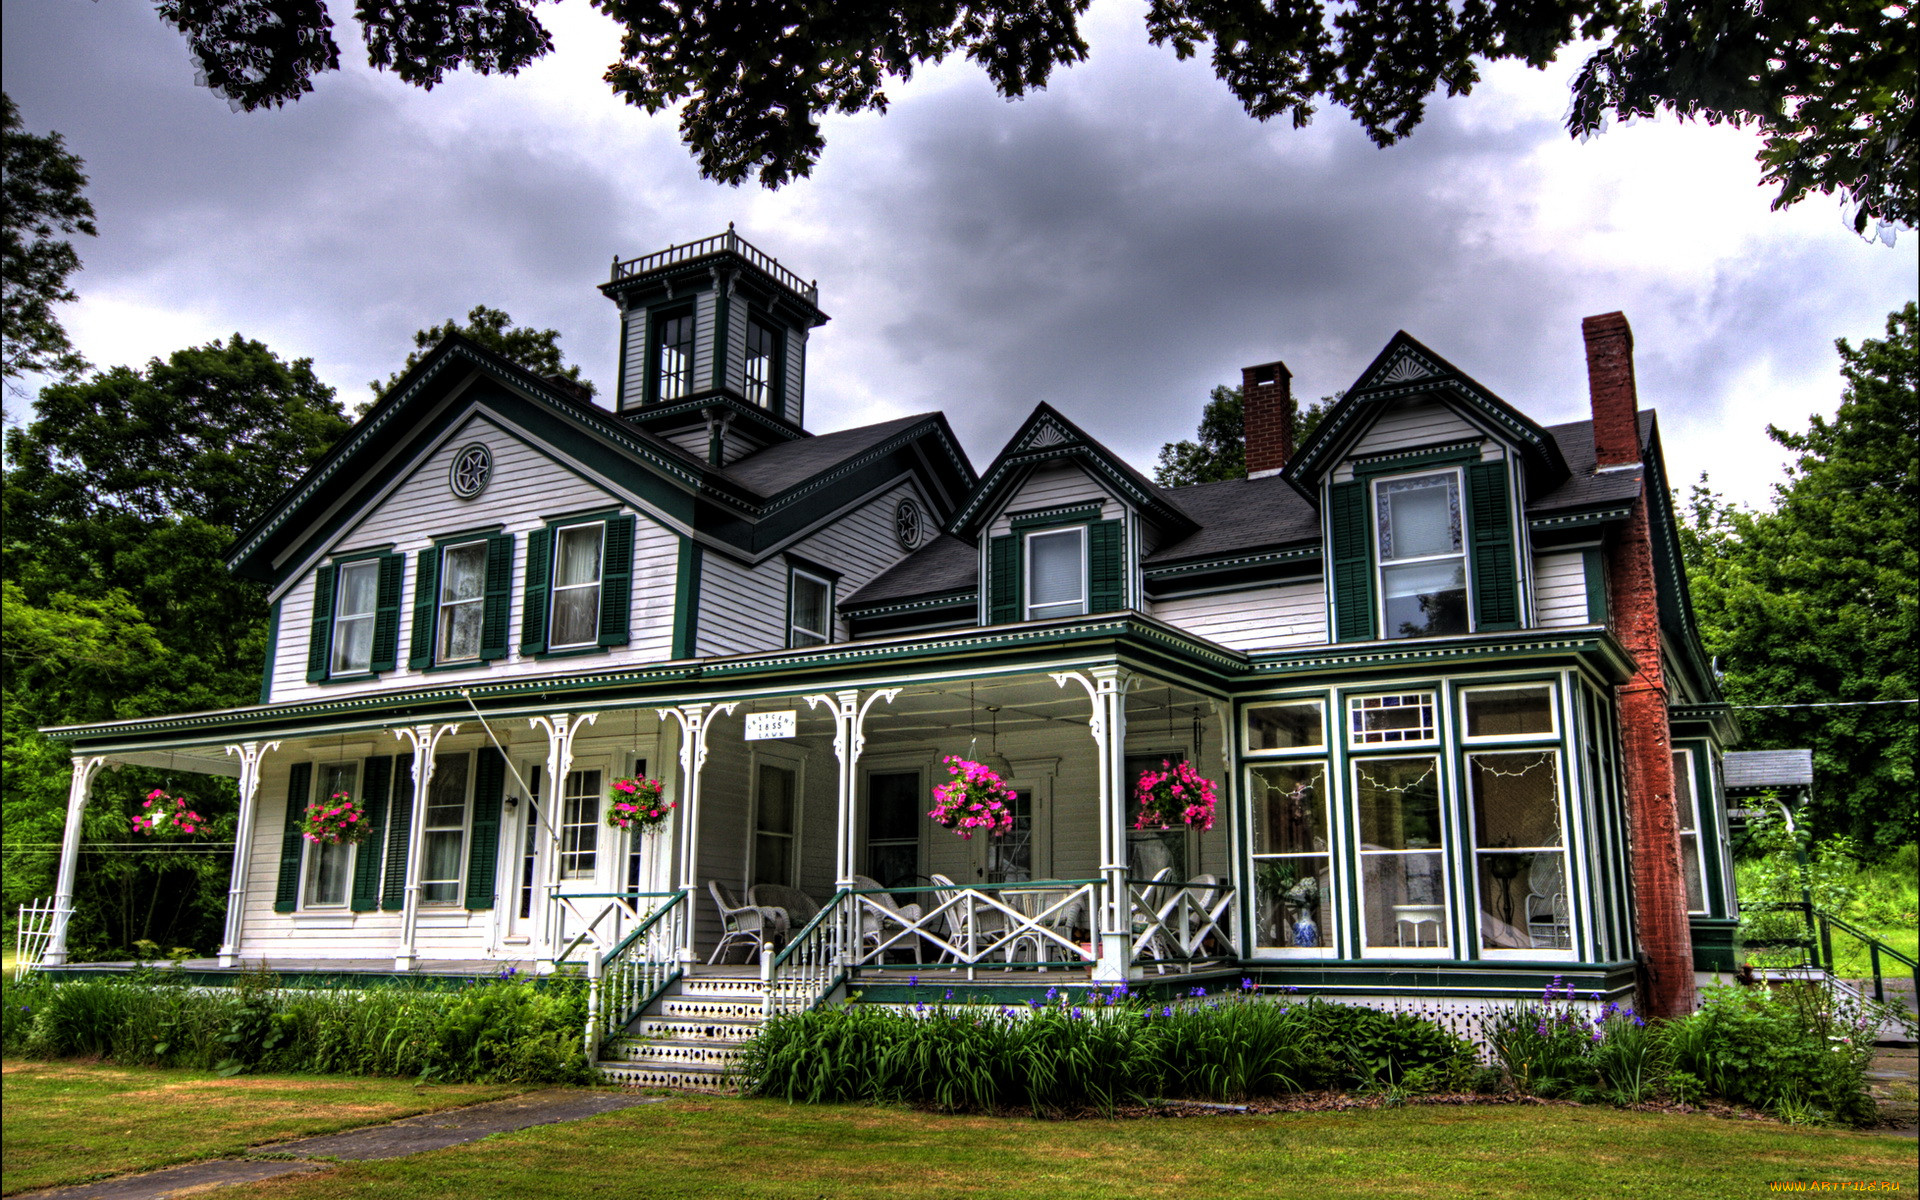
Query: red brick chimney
1653	829
1267	396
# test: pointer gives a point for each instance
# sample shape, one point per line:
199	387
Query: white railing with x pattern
625	979
33	933
1178	923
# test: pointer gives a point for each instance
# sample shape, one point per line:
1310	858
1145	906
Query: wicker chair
796	904
886	917
747	924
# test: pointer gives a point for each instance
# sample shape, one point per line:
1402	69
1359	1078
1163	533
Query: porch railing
1180	923
601	919
813	963
1033	924
623	981
33	933
1818	944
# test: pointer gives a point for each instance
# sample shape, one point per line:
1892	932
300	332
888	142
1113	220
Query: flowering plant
1175	792
975	798
166	815
635	803
339	820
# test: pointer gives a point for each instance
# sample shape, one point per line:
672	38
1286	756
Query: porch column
1107	688
250	754
694	720
849	740
560	728
423	738
85	767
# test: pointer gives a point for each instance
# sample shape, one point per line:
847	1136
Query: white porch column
849	740
85	767
694	719
250	754
1106	687
423	738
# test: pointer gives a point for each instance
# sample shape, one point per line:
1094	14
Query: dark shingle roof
1583	487
1768	768
946	564
1238	515
777	468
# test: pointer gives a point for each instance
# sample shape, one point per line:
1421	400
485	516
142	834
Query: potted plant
974	799
339	820
167	816
637	804
1175	792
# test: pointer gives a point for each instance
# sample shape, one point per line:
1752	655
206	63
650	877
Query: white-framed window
809	609
776	822
1287	727
1520	863
577	553
1687	809
1406	718
329	867
356	595
1403	857
672	356
463	601
1509	713
1294	895
443	847
1423	556
580	824
894	808
763	360
1057	573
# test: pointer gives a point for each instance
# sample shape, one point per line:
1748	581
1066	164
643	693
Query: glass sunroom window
1423	562
1403	875
1520	861
353	616
463	598
1057	574
1292	867
1689	817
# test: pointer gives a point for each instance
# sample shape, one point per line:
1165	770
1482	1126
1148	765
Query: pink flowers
1176	792
975	798
337	820
167	815
635	803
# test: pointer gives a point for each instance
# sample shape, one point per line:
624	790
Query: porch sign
764	725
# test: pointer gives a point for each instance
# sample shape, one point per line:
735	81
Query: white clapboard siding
705	308
736	366
796	375
693	440
1560	589
633	381
1293	614
1052	484
1423	423
527	489
330	933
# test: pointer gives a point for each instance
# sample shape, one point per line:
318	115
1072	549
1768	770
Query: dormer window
672	356
1057	573
763	364
1423	560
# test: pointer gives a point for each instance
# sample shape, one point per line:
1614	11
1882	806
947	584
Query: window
1292	867
463	598
810	605
1391	720
763	364
1010	856
576	585
1514	712
1057	574
1403	875
353	617
1520	861
893	827
530	848
1423	560
579	824
1689	816
329	868
673	356
1295	725
636	841
443	852
774	825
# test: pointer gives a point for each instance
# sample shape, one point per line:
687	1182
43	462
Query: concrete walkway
409	1135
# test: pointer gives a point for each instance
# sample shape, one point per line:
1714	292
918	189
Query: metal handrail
626	979
1820	926
717	244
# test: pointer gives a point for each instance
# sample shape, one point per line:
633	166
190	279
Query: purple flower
1077	1014
1198	991
913	981
1246	983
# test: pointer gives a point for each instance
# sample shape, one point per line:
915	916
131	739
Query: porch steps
689	1039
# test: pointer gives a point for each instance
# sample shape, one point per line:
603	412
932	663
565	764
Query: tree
1829	83
1221	451
1814	603
44	200
538	350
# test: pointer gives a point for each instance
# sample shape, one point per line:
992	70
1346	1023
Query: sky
1115	245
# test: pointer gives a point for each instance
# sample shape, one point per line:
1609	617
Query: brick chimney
1660	922
1616	401
1267	394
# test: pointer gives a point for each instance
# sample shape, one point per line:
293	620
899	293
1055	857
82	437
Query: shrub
1797	1051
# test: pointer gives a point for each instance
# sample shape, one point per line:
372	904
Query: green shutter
1352	562
426	590
319	640
499	602
1496	591
286	896
1003	579
483	848
386	613
534	598
1596	579
376	780
393	890
616	582
1106	566
686	600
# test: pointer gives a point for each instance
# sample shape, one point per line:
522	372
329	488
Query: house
1438	659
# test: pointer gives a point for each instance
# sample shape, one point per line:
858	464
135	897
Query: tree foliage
1220	451
1815	602
1828	83
45	205
538	350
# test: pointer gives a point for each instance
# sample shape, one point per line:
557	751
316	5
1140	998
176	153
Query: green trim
1259	558
1074	445
1061	514
483	841
686	599
1449	455
1350	536
320	625
462	536
620	377
968	597
1716	943
722	311
1593	568
376	788
1496	584
1581	518
273	642
393	885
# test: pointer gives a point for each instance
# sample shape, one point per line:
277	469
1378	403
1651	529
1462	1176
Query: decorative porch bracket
250	754
85	767
694	719
1107	688
423	738
560	728
849	739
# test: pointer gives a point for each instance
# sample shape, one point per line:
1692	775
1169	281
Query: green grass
67	1122
754	1149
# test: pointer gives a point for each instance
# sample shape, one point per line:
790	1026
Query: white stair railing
813	963
623	980
33	933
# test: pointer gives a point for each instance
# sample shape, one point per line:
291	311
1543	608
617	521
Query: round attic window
909	524
472	468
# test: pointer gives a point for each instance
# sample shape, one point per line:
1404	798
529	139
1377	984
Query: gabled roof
1237	516
1768	768
1406	368
773	470
1047	436
943	566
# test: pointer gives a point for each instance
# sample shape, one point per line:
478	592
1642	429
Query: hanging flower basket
974	799
167	816
339	820
636	804
1174	794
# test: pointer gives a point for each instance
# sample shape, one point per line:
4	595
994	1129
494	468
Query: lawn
749	1150
67	1122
